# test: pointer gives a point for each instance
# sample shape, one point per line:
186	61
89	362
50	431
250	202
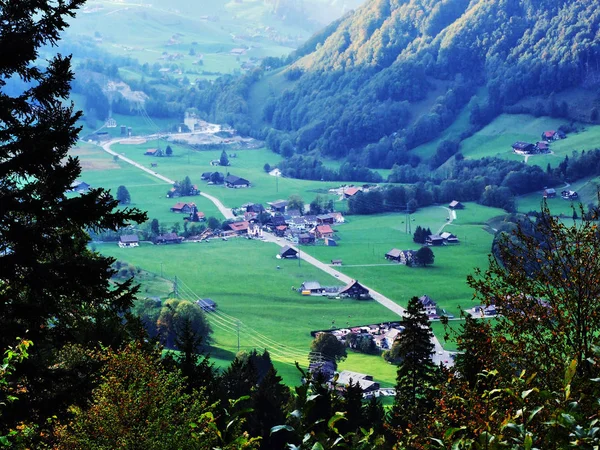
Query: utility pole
175	288
276	183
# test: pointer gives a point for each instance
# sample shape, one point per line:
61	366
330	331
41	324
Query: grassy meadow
242	275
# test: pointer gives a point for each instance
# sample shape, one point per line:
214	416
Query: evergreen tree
416	372
169	150
123	195
54	290
155	227
475	352
224	160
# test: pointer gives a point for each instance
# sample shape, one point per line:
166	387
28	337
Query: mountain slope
354	94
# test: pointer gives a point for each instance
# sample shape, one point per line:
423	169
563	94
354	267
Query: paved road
106	147
451	215
440	355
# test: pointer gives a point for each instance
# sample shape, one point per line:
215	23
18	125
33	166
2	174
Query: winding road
440	355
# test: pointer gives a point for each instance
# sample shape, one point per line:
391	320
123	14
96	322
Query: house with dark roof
153	152
569	195
129	240
542	147
280	230
306	238
336	262
405	257
168	238
454	204
434	240
276	221
257	208
553	135
365	381
449	238
196	216
233	181
205	176
278	205
325	219
549	193
523	148
429	305
206	304
288	252
355	290
312	287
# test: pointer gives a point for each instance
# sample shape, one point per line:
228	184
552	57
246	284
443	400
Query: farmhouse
330	242
365	382
523	148
129	240
196	216
154	152
325	219
351	192
355	290
449	238
429	305
255	208
184	208
237	51
405	257
239	227
288	252
325	368
233	181
280	230
549	193
254	230
336	262
168	238
206	304
391	336
278	205
322	231
542	146
311	287
434	240
306	238
205	176
456	205
79	186
553	135
338	217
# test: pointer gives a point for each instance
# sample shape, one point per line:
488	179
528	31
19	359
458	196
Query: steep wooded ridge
398	72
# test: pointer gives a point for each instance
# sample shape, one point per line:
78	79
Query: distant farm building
542	147
311	287
365	381
206	304
154	152
549	193
429	305
449	238
239	227
351	192
336	262
168	238
330	242
233	181
278	205
237	51
306	238
323	231
288	252
523	148
183	208
325	219
355	290
129	240
405	257
434	240
456	205
553	135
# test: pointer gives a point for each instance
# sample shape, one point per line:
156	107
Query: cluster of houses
352	290
190	210
565	195
327	370
349	191
541	146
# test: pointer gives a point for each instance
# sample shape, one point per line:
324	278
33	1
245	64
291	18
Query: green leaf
528	442
450	432
526	393
534	413
317	446
570	372
338	416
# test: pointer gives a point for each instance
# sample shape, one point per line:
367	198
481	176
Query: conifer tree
54	291
416	372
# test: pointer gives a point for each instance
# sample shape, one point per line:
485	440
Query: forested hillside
396	73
